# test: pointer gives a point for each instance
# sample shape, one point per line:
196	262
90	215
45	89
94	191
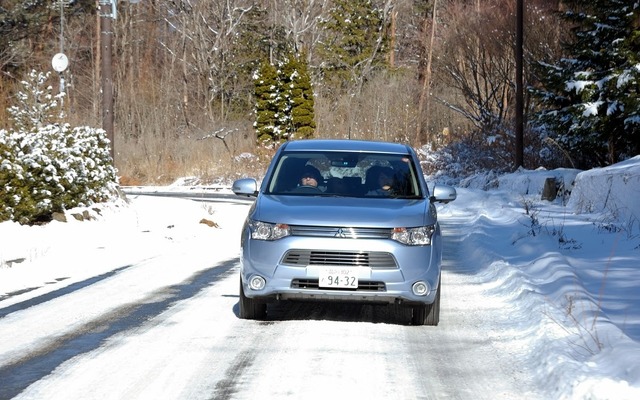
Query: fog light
420	288
257	282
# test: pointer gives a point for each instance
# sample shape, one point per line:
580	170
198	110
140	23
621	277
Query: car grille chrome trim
341	232
332	258
362	286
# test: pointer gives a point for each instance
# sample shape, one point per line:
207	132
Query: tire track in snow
56	293
19	374
228	387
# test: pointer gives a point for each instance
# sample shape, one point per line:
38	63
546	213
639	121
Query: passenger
383	182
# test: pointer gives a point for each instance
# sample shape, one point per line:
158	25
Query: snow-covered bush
459	160
478	154
50	167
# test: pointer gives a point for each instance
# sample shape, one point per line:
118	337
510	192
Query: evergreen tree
356	42
590	99
297	95
48	166
286	73
302	103
36	105
266	92
284	102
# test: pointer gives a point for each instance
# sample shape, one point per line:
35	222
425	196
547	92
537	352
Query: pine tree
266	92
286	73
298	98
284	102
36	105
302	103
356	42
48	166
590	99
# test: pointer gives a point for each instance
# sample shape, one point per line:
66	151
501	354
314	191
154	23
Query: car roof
347	145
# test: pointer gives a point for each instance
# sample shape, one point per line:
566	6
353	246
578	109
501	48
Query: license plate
343	278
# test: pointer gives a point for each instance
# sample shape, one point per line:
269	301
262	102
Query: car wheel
401	313
251	308
427	314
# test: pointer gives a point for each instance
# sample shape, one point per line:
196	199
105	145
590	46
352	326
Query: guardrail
196	194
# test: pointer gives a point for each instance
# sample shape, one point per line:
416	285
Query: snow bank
611	194
524	182
613	191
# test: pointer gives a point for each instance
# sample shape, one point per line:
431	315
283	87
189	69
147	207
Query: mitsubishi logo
343	233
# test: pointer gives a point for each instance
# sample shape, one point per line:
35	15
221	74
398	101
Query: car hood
343	211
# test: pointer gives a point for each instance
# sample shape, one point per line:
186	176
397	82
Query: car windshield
351	174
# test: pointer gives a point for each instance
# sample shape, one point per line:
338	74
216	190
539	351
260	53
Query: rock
78	216
550	189
58	216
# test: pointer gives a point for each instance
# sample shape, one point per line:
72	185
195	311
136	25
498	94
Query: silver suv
342	220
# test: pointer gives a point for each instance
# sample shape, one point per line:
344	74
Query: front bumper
379	282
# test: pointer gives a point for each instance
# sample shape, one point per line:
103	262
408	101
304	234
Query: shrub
48	168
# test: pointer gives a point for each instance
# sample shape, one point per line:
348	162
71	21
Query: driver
310	176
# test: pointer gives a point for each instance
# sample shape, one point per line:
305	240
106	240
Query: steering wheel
307	189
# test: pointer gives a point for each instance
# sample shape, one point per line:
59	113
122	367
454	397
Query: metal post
61	27
106	34
61	89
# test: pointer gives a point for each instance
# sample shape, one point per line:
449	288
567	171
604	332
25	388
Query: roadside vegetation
47	165
210	89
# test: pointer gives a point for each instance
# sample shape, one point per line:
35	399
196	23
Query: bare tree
300	19
206	44
184	68
478	59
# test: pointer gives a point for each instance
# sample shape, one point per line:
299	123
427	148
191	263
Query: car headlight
420	236
266	231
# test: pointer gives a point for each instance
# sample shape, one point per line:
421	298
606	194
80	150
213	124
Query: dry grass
156	161
155	144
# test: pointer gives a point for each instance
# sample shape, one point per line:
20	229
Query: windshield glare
345	174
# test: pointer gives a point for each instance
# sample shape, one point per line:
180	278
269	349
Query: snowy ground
563	278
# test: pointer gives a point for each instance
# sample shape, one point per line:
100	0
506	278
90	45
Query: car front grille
362	286
371	259
341	232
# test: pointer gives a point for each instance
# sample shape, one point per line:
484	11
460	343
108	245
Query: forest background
437	74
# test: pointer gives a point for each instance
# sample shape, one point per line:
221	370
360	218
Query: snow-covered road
164	325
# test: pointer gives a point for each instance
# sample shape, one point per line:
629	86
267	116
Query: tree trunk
426	80
392	44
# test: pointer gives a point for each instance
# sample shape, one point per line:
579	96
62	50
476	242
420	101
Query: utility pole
107	13
519	128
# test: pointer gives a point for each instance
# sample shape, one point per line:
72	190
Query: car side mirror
443	194
245	187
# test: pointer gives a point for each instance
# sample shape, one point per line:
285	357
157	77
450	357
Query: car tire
401	314
427	314
251	308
